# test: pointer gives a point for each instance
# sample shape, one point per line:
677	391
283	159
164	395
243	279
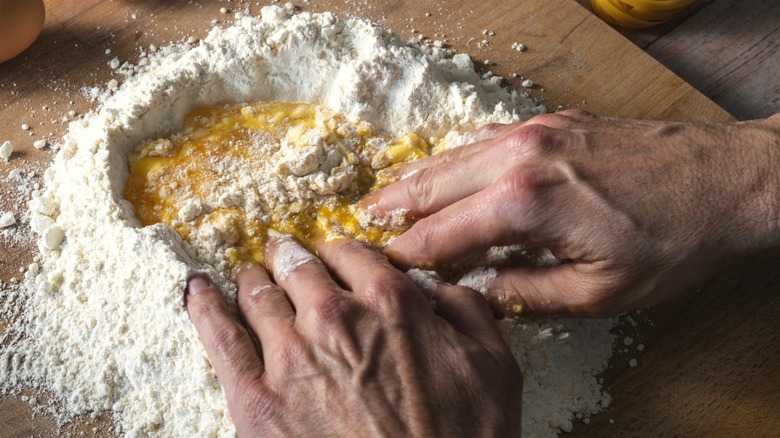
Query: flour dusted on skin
290	256
104	328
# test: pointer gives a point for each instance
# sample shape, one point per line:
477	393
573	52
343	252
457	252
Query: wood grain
708	368
727	49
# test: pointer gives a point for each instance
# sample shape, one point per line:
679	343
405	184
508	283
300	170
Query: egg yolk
165	173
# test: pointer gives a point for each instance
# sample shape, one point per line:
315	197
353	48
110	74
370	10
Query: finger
227	343
264	306
433	188
375	275
468	312
459	153
513	210
472	142
302	275
567	289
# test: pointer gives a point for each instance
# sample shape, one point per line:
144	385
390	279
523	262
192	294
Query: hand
357	354
636	210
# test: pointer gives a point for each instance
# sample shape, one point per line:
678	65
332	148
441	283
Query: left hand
356	353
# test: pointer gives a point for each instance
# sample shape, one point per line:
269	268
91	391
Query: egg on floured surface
21	22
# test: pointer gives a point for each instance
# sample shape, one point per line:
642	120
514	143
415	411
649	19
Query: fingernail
369	199
197	284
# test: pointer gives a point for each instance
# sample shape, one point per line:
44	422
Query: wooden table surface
710	366
727	49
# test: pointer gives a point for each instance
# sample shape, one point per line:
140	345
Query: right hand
636	210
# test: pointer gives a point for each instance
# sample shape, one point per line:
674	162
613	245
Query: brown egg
21	22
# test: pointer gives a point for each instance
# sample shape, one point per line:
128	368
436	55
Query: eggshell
21	22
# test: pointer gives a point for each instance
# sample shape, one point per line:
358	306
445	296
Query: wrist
763	140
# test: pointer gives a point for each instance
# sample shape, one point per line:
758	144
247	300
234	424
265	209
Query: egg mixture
237	171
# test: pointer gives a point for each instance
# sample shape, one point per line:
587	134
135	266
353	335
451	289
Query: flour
288	257
7	219
104	327
6	149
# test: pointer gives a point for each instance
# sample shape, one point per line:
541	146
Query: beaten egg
21	22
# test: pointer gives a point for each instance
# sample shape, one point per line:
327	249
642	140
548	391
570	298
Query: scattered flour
104	328
7	219
6	149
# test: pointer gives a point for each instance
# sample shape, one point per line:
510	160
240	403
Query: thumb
566	289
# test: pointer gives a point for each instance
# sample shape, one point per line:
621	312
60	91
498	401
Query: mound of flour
104	328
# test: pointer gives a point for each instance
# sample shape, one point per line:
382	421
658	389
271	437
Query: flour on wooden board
104	328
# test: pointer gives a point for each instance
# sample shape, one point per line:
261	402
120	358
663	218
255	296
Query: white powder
478	279
289	256
104	328
6	149
7	219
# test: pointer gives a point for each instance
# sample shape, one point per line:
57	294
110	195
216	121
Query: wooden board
727	49
710	363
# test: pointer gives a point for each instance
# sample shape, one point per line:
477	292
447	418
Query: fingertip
246	268
543	290
285	254
398	257
247	265
203	299
250	273
275	241
505	303
371	209
367	202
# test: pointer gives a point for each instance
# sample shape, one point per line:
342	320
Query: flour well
104	328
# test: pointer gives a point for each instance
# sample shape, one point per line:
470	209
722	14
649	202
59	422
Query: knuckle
419	241
531	142
389	292
469	294
549	119
459	296
470	297
343	249
517	187
487	131
227	338
258	297
330	311
418	189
